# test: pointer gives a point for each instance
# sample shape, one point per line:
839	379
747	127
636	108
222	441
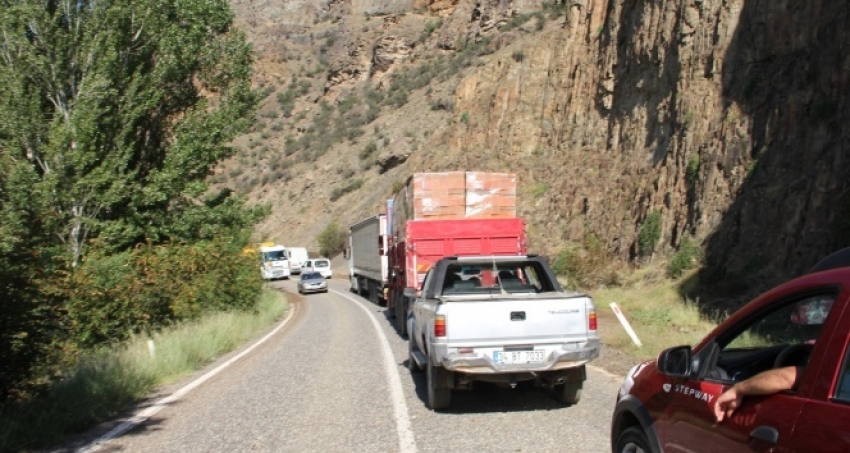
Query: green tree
113	116
117	111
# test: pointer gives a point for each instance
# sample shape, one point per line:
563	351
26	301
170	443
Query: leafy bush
692	170
348	104
352	186
687	257
649	234
539	190
287	101
430	28
331	240
368	151
584	265
353	133
153	286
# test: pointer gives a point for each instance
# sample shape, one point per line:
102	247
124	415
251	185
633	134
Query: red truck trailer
444	214
432	216
420	243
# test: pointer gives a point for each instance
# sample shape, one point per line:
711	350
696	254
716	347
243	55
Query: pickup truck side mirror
411	293
676	361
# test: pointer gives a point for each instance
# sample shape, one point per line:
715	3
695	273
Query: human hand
726	404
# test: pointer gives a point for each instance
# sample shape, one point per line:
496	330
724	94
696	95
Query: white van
297	257
320	265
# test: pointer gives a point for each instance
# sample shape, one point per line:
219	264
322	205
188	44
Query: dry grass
111	379
660	316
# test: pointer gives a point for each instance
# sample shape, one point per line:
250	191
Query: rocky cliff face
724	116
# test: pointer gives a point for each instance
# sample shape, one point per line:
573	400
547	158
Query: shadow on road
486	397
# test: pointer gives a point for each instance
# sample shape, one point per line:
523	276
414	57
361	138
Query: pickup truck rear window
496	278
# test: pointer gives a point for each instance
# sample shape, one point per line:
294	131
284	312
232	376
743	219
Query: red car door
824	424
761	423
691	427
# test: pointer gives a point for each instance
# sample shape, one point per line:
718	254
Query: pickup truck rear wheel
439	397
568	392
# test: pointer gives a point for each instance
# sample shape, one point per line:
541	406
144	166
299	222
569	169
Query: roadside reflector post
626	324
151	348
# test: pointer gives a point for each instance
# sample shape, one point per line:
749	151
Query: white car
320	265
312	282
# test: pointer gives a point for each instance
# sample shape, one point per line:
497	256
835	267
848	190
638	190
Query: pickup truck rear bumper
558	359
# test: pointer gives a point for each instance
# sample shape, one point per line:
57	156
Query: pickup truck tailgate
516	320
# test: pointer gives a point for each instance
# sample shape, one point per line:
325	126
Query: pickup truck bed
500	319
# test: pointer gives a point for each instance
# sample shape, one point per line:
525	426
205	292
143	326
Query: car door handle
768	434
517	316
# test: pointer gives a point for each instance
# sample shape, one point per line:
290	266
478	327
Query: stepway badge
689	391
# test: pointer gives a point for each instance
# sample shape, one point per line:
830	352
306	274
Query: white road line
406	441
143	415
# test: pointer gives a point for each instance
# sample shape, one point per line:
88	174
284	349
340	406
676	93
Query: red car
666	405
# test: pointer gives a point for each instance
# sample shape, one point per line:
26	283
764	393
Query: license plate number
514	357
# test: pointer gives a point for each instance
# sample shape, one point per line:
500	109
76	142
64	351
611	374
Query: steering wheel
799	351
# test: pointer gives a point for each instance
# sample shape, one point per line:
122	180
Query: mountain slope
718	118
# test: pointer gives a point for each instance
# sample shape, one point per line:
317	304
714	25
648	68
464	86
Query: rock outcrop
724	116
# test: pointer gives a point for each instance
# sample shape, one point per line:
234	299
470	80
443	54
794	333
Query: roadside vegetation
108	380
332	240
653	298
656	309
109	231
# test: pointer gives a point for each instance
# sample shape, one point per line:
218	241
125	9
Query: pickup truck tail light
440	326
591	320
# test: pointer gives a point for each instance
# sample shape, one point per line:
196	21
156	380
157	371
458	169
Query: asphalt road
333	379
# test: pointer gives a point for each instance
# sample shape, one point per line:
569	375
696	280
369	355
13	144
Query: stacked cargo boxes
455	195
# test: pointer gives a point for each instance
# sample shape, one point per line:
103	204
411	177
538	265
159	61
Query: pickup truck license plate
512	357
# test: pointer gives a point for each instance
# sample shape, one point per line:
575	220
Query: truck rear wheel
401	316
373	293
390	304
439	397
568	392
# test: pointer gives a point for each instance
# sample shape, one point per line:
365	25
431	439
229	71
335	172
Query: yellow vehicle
254	249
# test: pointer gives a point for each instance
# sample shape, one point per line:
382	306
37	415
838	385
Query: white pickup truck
501	319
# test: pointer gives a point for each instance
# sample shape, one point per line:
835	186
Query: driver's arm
765	383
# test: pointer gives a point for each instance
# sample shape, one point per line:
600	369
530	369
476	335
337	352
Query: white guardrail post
625	324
